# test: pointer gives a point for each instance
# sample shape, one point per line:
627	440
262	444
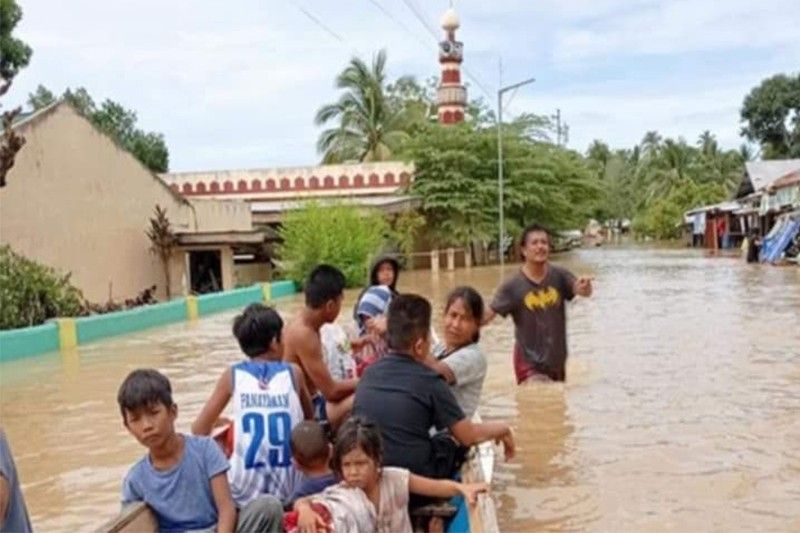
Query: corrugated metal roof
792	178
722	206
761	174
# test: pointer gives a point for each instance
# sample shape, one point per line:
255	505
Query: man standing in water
534	297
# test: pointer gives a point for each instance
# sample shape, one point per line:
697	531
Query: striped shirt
374	302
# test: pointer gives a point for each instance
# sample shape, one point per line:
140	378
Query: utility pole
558	126
500	94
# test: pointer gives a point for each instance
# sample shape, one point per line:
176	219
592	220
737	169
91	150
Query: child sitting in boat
269	399
311	453
369	312
370	497
182	478
324	293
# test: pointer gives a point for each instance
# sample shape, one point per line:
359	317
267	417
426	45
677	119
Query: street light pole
500	94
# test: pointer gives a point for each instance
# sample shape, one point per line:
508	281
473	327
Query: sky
236	84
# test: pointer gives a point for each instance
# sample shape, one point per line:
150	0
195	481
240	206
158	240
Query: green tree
746	152
81	100
339	235
369	128
669	170
664	217
414	104
31	293
771	116
14	55
41	97
406	228
716	165
456	181
114	120
656	182
599	154
651	143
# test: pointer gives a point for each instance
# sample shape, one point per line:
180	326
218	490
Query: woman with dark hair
458	357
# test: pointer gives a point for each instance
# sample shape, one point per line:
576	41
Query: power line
319	23
425	24
398	22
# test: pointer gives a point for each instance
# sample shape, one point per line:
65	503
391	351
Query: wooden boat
135	518
481	517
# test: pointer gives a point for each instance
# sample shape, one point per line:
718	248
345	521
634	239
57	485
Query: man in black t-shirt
535	298
406	398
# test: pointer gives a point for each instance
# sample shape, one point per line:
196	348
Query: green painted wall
212	303
91	328
16	343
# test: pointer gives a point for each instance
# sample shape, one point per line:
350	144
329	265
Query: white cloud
684	26
621	111
237	84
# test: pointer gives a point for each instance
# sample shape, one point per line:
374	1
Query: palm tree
651	142
600	154
669	171
746	152
707	143
369	128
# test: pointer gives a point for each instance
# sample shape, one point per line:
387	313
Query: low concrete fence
66	333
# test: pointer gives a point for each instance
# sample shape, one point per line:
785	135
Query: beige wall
215	215
76	202
226	257
250	273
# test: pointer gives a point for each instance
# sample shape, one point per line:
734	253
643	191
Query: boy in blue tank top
269	399
183	477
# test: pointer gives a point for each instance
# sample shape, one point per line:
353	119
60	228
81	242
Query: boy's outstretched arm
226	511
214	406
445	488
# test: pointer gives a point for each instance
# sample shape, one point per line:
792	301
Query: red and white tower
451	97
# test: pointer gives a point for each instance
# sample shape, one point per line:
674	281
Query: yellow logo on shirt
542	299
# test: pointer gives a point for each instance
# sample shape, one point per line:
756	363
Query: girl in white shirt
370	497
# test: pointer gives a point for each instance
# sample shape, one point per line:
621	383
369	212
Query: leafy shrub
341	235
31	293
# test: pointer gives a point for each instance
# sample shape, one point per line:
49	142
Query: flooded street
681	410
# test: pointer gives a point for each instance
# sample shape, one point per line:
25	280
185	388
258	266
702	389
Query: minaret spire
451	97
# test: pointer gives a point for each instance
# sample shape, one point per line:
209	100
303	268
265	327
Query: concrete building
79	203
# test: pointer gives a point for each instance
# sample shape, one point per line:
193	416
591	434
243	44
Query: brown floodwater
681	411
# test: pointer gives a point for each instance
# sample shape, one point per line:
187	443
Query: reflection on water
681	411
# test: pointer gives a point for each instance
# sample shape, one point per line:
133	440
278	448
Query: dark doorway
205	268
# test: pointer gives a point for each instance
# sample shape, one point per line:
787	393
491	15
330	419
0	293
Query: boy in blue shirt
183	477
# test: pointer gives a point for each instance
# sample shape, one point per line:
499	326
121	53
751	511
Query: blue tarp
779	239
